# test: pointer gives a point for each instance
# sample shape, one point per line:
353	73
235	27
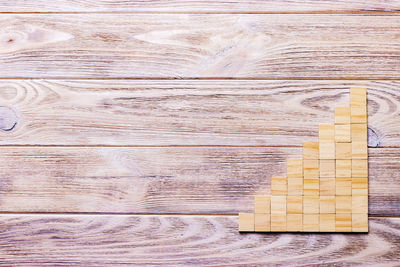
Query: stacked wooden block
327	189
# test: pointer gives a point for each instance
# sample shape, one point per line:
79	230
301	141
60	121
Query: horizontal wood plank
199	46
200	180
59	240
136	112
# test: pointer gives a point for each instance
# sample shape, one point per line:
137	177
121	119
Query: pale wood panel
199	180
192	46
63	240
120	112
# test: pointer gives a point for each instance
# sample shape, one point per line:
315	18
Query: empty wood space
134	132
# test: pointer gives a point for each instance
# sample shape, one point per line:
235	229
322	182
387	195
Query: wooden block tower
327	189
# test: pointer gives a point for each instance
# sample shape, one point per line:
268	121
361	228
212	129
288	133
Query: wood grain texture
199	6
187	180
184	241
151	112
199	46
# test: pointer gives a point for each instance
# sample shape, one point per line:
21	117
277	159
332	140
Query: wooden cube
359	150
327	222
359	186
359	132
343	204
246	222
359	168
295	186
358	114
294	204
278	185
327	204
278	204
294	168
343	186
262	222
359	204
358	105
327	187
343	222
311	222
311	168
326	132
327	150
262	204
342	133
342	115
343	150
343	168
327	168
278	222
311	187
310	204
359	222
294	222
310	150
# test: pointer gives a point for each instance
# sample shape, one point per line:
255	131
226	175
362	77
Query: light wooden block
326	132
359	186
358	105
359	150
359	132
358	114
246	222
327	222
311	187
262	204
343	222
294	222
343	168
327	168
342	133
343	204
311	168
343	186
295	186
262	222
359	223
294	168
278	204
359	168
327	204
327	150
310	150
278	185
342	115
311	222
343	150
327	187
278	222
294	204
359	204
310	204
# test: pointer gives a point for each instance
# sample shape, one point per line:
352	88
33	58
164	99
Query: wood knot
373	138
8	119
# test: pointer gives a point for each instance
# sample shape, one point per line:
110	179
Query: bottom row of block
353	222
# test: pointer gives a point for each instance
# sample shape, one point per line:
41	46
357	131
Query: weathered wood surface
121	112
208	6
185	180
64	240
199	45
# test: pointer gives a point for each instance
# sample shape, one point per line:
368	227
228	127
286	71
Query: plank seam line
166	146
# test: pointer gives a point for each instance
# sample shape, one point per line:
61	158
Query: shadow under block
278	222
311	169
359	204
343	150
327	187
246	222
343	186
358	105
311	222
278	185
359	168
262	204
343	168
294	168
359	186
343	222
342	115
359	222
295	186
311	204
278	205
262	222
326	141
327	204
310	150
294	222
343	204
294	204
327	222
327	168
342	133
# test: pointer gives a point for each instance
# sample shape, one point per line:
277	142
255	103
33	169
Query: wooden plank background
133	132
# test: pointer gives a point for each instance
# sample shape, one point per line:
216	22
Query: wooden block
278	204
359	168
359	186
262	222
359	132
311	222
278	185
294	222
359	223
360	204
278	222
246	222
311	168
262	204
342	115
343	186
327	204
358	105
295	186
327	168
343	150
294	204
294	168
310	204
359	114
327	222
311	187
343	168
327	187
359	150
326	132
343	222
343	204
310	150
342	133
327	150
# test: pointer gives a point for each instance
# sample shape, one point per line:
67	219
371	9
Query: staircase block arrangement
326	188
